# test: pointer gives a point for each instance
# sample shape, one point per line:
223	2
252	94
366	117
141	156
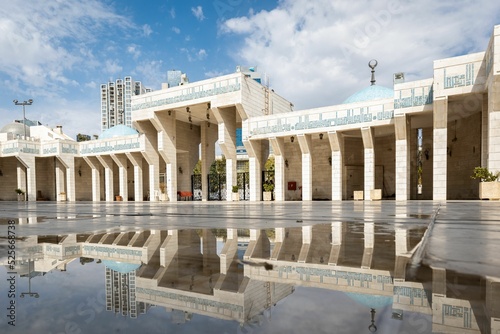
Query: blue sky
314	52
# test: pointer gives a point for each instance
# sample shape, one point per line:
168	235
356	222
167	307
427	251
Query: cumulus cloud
198	13
316	52
151	73
176	30
172	12
34	44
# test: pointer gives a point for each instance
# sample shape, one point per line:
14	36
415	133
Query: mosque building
416	140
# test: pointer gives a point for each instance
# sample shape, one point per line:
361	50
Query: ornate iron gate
217	187
196	188
243	182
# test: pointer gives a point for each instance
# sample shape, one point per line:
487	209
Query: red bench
185	194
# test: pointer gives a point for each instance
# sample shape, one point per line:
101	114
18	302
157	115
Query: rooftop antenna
372	64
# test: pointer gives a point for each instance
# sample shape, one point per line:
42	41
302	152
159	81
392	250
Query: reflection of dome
16	129
118	131
370	93
121	267
370	301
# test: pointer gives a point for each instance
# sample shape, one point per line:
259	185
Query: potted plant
20	195
268	191
235	195
118	198
489	188
163	194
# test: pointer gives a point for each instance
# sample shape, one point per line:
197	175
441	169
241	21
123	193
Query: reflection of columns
136	160
208	139
369	149
209	252
121	161
256	152
306	243
279	239
107	163
369	233
165	124
259	245
402	255
306	148
278	145
96	181
230	250
227	141
440	137
439	281
337	145
336	243
402	129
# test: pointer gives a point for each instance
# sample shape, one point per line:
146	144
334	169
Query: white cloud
112	67
198	13
146	30
176	30
150	73
214	73
172	12
194	54
41	43
202	54
134	51
316	52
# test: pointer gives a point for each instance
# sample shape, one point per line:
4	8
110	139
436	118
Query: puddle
353	276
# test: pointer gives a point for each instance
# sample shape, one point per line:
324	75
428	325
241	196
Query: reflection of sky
75	300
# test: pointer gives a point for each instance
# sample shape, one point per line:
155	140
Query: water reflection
357	271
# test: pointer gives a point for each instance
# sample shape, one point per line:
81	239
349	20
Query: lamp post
24	103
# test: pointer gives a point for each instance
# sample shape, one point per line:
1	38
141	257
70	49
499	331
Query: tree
197	168
269	165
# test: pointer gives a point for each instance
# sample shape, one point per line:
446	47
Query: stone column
484	131
60	188
136	160
107	163
165	124
369	150
121	161
306	148
494	121
278	145
256	153
208	138
337	145
96	181
440	154
150	137
21	175
402	131
226	119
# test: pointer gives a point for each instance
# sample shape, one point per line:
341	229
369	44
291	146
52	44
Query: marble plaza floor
457	239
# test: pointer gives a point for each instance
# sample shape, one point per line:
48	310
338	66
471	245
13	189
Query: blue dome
371	93
119	130
121	267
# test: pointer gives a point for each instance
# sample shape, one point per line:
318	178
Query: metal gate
217	187
243	182
196	187
268	178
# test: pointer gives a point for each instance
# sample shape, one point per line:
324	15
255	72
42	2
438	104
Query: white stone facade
422	143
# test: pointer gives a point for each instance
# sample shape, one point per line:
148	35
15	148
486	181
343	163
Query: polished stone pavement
465	236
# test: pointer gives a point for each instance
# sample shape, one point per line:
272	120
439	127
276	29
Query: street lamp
24	103
29	293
